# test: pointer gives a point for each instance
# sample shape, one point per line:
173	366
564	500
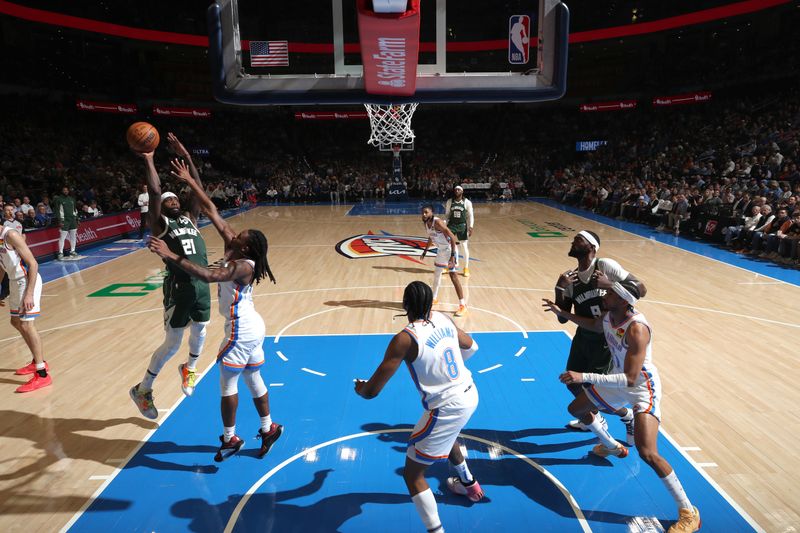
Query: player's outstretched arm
153	192
239	271
396	352
181	151
593	324
181	171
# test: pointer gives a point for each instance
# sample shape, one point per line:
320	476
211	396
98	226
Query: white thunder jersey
242	321
438	371
616	338
10	260
437	237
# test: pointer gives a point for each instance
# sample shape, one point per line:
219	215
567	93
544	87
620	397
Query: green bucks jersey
65	210
183	238
457	217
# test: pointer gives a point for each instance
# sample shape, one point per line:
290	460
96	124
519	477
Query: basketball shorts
460	232
237	354
437	429
443	257
16	289
589	353
644	397
67	225
184	302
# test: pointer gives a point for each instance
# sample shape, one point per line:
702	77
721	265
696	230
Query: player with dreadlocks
434	350
241	351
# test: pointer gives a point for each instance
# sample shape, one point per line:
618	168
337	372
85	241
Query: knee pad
228	382
197	337
172	341
255	383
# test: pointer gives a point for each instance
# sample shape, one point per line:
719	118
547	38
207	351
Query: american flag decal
269	53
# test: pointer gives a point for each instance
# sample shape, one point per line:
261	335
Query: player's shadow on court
65	439
268	511
370	304
408	270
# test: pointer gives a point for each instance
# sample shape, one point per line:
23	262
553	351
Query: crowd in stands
724	172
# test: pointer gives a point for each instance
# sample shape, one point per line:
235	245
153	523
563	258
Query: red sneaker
228	449
473	491
36	382
30	369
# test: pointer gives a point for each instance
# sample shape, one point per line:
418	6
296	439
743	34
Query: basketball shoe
36	382
144	402
228	449
577	425
688	521
601	451
30	369
472	491
188	378
435	301
269	438
466	272
629	436
462	310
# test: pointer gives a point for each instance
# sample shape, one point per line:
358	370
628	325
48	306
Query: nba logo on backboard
519	38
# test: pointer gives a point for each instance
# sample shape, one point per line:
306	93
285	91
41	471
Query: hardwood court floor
723	343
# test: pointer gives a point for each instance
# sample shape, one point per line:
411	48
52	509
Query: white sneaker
577	425
629	437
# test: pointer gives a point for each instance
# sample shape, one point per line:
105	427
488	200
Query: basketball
142	137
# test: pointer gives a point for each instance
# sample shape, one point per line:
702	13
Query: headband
166	195
588	236
623	293
458	187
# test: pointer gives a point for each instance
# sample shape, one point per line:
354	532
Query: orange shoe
601	451
36	382
688	521
435	301
466	272
462	310
30	369
188	379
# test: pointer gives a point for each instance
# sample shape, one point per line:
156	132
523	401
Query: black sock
42	373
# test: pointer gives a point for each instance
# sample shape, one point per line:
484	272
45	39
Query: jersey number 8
452	365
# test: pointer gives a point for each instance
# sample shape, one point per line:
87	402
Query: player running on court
460	220
187	301
25	292
241	351
434	350
633	380
446	256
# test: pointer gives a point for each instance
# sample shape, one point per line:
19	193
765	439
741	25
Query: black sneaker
268	439
228	449
629	436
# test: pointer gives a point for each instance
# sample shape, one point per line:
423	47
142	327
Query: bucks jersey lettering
183	238
458	215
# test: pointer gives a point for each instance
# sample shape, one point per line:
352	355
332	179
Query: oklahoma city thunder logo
371	245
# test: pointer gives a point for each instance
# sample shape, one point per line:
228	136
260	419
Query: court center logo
372	245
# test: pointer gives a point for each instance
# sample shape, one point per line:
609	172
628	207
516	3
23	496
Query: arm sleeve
612	269
470	214
614	381
447	205
469	352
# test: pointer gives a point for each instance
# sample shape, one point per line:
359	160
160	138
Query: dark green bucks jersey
183	238
65	210
458	216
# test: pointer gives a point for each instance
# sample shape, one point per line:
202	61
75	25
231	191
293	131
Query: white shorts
443	257
643	398
238	354
437	429
16	288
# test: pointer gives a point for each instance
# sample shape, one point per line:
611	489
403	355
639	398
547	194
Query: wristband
561	289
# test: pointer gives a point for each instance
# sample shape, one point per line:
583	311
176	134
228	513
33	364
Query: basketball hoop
390	124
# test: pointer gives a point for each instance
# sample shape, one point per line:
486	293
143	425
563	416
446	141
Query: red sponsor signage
330	115
615	105
679	99
105	107
192	112
45	242
389	49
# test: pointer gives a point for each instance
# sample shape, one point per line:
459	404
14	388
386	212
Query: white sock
266	423
61	236
675	488
437	280
602	433
426	508
628	416
228	433
461	301
147	381
465	246
463	473
191	363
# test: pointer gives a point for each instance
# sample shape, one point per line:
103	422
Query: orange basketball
142	137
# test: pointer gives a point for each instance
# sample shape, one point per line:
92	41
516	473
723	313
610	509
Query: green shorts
186	301
460	232
589	353
67	225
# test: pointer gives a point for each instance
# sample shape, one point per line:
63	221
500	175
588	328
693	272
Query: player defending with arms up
633	380
460	220
434	350
187	302
25	291
241	351
446	255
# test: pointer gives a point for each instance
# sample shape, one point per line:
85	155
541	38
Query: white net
390	124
